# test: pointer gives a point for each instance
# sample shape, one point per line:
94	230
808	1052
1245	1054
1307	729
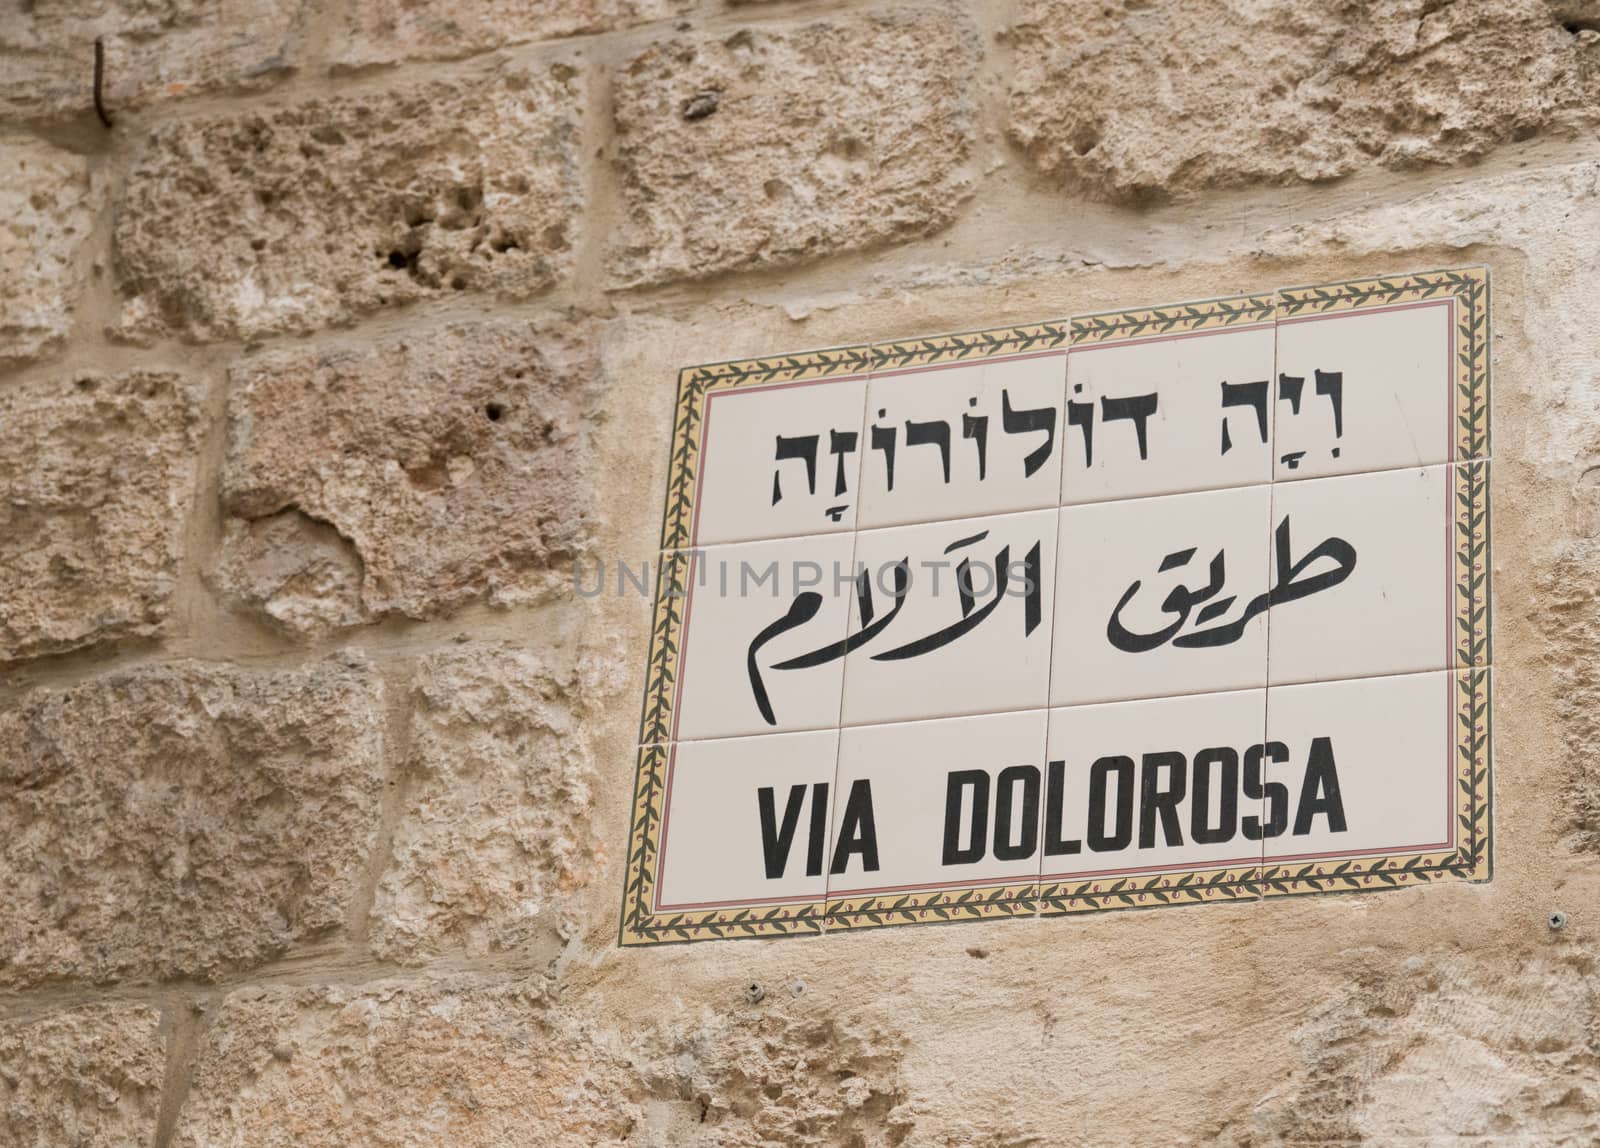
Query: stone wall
361	322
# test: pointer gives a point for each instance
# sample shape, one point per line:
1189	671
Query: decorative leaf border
1173	319
934	906
1469	288
1470	861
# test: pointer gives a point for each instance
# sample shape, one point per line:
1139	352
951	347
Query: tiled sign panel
1183	604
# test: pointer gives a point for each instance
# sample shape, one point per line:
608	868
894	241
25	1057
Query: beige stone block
779	144
494	835
389	31
444	467
96	480
89	1077
153	52
460	1062
290	219
1148	101
47	208
182	820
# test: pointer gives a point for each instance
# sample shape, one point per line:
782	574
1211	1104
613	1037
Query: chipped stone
301	217
89	1077
388	31
96	478
182	820
450	467
1155	100
47	208
153	52
838	135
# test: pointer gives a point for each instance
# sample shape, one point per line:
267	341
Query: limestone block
389	31
89	1077
47	207
444	467
96	479
494	835
153	52
294	218
181	820
781	144
1151	100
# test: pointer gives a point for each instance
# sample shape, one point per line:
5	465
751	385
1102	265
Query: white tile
1161	596
1125	798
1367	767
926	785
1375	552
780	461
1178	384
942	652
953	440
1375	390
746	821
794	591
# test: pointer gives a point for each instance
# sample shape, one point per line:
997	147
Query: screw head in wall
1557	919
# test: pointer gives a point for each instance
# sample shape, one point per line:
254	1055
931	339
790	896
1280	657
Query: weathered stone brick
88	1077
295	218
154	51
777	144
96	479
453	463
388	31
176	821
47	207
495	833
1151	100
471	1061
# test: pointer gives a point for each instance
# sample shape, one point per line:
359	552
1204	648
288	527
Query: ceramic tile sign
1169	606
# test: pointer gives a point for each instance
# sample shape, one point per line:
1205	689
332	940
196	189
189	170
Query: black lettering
1275	794
1321	777
1055	803
960	779
1154	799
775	841
1201	831
858	833
1028	832
819	829
1099	774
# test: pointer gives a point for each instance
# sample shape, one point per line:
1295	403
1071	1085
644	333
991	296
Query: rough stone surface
1569	602
773	145
87	1077
96	478
453	463
47	207
1445	1049
489	1064
296	572
154	50
494	833
182	820
1151	99
295	218
388	31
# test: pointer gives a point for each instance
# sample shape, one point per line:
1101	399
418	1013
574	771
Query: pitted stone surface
96	478
89	1077
294	218
154	51
780	144
453	463
390	31
494	835
1156	99
480	1062
47	207
183	820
